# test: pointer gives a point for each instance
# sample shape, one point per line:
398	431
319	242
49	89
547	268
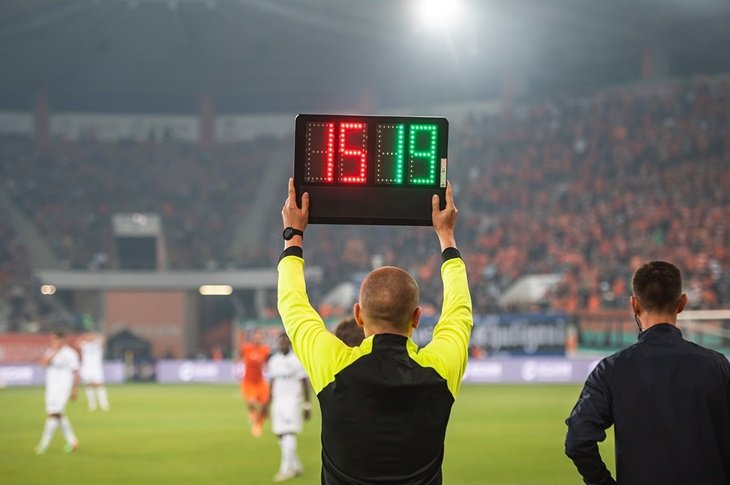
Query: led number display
353	153
370	169
320	160
390	153
422	154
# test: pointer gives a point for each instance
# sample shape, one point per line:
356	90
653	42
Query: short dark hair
349	332
60	332
658	286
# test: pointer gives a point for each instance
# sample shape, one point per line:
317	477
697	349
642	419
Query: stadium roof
321	55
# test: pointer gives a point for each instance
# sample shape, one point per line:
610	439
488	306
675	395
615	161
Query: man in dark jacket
668	399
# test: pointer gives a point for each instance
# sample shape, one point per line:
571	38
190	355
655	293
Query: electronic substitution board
370	169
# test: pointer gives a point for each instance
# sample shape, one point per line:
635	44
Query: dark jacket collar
660	330
391	338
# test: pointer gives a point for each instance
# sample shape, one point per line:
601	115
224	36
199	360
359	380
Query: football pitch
158	434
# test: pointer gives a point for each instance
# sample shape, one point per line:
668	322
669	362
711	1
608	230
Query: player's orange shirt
254	357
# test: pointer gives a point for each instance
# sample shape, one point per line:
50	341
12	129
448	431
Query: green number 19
422	154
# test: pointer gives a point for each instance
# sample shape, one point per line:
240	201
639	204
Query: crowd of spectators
588	188
584	187
591	188
72	189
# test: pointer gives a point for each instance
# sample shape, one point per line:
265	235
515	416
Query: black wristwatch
290	232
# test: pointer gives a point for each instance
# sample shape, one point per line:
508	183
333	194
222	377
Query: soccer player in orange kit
254	388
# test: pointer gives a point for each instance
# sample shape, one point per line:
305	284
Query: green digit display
390	154
422	154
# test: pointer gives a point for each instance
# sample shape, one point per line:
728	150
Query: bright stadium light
437	14
48	290
216	290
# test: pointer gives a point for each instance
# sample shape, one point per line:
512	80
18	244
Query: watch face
288	233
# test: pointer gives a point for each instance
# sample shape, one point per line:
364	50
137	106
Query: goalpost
709	328
609	331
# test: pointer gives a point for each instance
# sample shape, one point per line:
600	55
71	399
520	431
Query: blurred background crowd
583	187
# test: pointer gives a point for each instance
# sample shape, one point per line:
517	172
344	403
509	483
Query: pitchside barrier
35	375
519	349
512	370
508	370
511	334
494	370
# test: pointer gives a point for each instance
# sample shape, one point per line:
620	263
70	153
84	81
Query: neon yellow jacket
386	403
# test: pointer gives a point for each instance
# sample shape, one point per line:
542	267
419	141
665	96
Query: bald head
388	299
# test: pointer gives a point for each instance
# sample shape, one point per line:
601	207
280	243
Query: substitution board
370	169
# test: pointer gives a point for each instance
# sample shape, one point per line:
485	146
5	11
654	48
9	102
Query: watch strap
291	232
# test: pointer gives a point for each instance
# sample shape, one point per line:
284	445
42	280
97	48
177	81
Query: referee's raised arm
298	316
316	348
449	347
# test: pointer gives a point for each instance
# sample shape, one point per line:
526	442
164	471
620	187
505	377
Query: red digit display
353	153
320	152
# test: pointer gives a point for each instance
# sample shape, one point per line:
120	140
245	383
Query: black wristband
292	251
450	253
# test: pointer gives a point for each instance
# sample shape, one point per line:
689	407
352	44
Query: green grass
198	434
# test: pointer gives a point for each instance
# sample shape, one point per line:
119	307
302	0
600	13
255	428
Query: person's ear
357	313
635	306
683	299
416	317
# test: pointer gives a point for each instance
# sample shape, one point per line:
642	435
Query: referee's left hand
444	221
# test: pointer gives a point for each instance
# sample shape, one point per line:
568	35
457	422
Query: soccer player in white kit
290	404
92	370
62	379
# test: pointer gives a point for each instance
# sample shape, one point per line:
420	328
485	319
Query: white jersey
287	374
286	393
92	361
60	378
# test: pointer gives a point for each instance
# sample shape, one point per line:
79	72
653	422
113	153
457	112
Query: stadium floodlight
215	290
436	14
48	290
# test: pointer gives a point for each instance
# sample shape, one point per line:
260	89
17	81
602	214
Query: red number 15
346	162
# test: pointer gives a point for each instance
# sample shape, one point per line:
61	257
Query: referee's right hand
293	216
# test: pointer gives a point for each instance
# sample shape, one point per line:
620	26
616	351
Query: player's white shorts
56	401
286	415
92	375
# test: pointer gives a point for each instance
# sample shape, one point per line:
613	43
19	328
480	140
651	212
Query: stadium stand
590	188
584	187
21	307
71	191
